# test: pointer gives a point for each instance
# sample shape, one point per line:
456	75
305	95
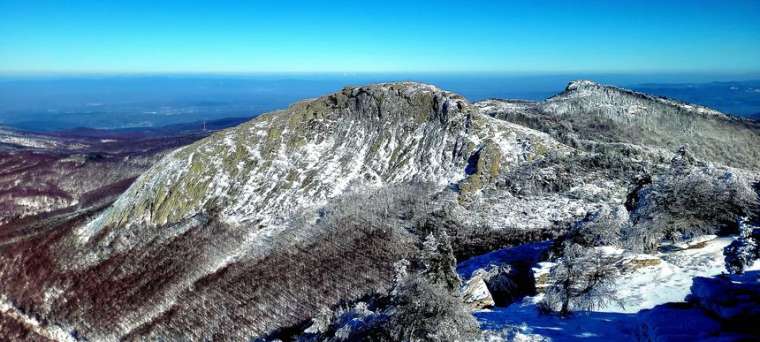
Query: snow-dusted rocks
507	272
664	277
676	322
695	242
475	292
723	308
578	84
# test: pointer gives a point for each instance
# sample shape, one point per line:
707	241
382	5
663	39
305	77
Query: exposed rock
720	309
695	242
475	293
640	261
507	272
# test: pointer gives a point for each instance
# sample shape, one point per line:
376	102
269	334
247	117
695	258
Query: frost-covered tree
424	311
439	261
599	228
582	280
700	199
690	199
743	251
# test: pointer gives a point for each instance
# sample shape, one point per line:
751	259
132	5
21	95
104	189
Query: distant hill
740	98
175	129
591	116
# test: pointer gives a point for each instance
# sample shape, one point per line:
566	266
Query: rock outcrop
733	299
475	292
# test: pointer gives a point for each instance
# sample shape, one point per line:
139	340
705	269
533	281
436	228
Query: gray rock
475	293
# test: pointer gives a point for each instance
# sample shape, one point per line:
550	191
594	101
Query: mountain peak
401	88
397	101
409	86
577	84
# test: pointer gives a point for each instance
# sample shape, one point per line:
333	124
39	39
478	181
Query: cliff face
259	227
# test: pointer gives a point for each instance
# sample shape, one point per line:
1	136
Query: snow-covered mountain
587	115
356	140
243	233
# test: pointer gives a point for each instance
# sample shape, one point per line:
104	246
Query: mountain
256	229
588	115
360	138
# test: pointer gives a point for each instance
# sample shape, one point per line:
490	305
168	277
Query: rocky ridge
362	138
593	117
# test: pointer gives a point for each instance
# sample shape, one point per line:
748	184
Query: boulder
507	272
475	293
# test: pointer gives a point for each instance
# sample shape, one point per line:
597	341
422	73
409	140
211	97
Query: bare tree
422	306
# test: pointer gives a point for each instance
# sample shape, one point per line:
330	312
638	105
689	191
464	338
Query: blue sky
379	36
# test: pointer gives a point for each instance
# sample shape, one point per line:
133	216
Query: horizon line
378	72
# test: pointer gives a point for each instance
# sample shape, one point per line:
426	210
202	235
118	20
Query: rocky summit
256	230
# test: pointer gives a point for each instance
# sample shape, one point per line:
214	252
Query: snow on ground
670	280
643	288
27	142
589	326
